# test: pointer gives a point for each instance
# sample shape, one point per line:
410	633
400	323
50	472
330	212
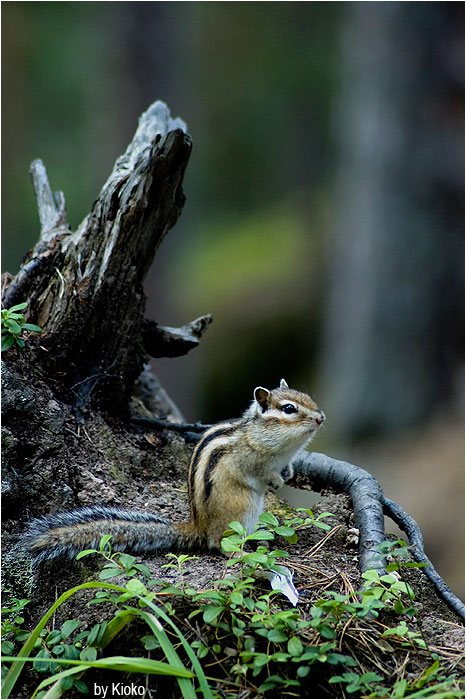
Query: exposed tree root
369	505
406	523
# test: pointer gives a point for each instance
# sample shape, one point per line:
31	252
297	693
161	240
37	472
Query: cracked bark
85	288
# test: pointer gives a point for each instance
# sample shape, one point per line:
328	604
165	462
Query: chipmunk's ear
262	397
283	384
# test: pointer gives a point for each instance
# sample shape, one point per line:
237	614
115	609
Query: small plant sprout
177	563
13	326
118	562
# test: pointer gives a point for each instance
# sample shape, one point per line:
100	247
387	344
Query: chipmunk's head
288	409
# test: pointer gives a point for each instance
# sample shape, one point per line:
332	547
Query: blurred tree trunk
394	334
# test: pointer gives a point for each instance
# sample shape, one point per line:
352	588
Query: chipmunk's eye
288	408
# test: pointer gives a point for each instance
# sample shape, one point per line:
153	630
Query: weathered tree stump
85	288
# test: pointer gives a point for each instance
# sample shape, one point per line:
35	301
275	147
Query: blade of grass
203	683
186	687
128	664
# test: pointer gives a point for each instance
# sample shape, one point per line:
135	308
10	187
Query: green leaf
8	647
71	652
136	586
19	307
16	605
264	687
292	539
338	679
31	327
20	342
261	535
93	634
103	628
303	671
295	647
42	661
414	564
255	558
228	545
268	519
127	560
202	650
85	552
143	569
261	660
211	613
7	341
53	637
67	683
280	656
88	654
236	597
237	527
22	635
109	572
249	604
371	575
285	531
276	636
394	566
399	688
68	628
373	592
150	642
322	526
327	632
335	658
13	326
15	317
81	686
172	589
104	541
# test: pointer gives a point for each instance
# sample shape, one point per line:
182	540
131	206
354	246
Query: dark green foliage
251	643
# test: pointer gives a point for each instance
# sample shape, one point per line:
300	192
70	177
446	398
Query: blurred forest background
323	227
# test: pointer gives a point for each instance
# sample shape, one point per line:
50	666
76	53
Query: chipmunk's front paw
287	472
275	482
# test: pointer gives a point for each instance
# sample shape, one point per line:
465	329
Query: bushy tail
66	534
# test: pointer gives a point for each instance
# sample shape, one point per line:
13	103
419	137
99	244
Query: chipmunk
231	468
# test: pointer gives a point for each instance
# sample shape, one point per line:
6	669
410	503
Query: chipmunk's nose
319	419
